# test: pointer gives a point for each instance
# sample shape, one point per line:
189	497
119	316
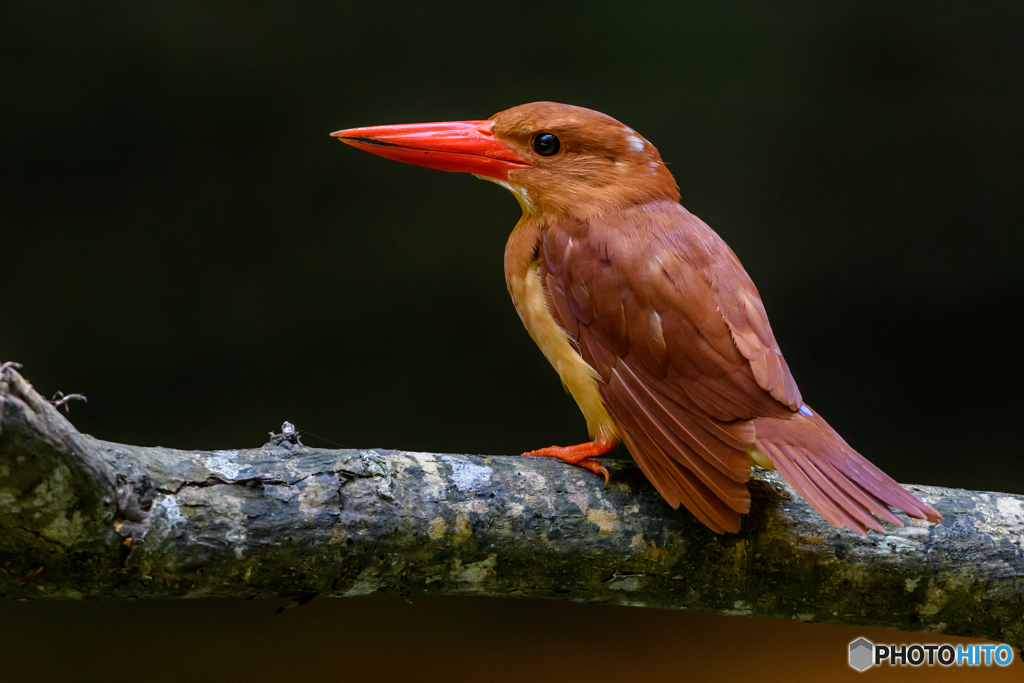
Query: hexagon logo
862	653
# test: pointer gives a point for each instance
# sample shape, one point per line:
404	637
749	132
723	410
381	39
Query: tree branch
84	518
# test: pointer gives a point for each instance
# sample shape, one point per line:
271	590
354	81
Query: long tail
838	481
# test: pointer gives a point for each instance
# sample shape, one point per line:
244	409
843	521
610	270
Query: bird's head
559	160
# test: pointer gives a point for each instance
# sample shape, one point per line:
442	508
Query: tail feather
850	510
834	505
866	499
835	479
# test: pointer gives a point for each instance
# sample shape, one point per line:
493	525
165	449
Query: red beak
463	146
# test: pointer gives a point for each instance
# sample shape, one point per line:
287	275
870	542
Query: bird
648	317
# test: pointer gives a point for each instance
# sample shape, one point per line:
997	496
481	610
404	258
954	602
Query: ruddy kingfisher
648	317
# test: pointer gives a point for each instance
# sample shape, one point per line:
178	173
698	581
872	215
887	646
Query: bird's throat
528	207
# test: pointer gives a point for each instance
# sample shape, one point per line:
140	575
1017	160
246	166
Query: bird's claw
595	467
577	455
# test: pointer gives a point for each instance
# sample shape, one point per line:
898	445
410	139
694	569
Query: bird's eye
546	144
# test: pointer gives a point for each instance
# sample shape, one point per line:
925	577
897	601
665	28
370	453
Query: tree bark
85	518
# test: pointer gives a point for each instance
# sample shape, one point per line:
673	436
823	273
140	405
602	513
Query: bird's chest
522	274
523	277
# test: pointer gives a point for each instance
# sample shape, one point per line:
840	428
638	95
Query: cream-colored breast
580	380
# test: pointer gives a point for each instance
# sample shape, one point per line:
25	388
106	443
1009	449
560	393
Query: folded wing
659	305
691	373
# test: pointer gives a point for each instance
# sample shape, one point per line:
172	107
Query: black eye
546	144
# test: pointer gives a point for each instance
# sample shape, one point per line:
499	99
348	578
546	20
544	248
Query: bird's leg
578	455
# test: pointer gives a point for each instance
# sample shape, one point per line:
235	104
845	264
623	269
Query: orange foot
577	455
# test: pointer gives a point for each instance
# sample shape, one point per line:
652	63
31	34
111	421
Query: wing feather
676	484
644	314
663	432
691	373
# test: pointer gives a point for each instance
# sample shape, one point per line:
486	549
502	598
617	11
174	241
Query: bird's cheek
520	176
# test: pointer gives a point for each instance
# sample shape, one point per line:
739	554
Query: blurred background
182	242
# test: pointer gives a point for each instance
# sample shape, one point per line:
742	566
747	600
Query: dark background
181	241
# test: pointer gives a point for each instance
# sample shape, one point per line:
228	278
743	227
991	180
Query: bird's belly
579	379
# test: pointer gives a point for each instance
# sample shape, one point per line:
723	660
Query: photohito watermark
864	654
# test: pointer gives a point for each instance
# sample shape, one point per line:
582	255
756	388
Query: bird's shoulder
655	285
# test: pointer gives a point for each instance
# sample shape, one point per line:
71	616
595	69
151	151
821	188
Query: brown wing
660	306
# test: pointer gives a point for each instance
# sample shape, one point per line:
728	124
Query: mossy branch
84	518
